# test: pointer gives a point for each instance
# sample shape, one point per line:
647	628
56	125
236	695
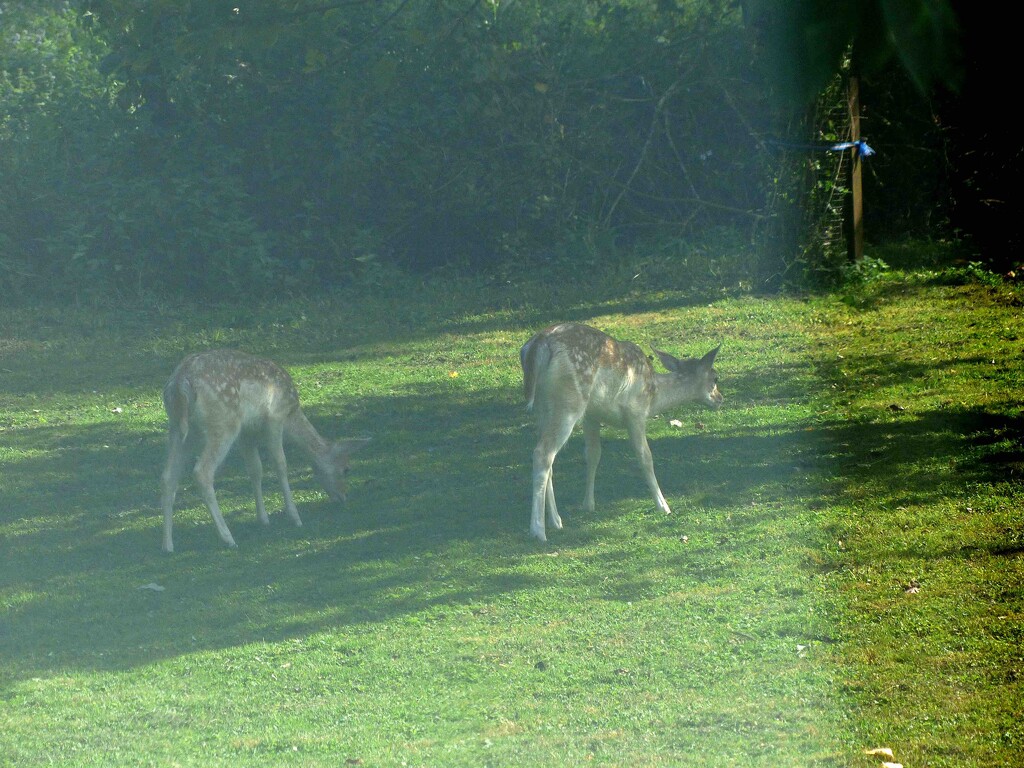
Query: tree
805	42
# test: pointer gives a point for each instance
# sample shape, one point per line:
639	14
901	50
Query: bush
227	150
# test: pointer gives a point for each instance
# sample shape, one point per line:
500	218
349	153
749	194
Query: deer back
229	390
576	362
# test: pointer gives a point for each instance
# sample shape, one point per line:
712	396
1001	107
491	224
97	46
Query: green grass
842	571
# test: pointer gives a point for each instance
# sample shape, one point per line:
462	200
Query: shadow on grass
436	520
729	485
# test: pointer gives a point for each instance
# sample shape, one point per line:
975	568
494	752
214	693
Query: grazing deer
573	373
217	398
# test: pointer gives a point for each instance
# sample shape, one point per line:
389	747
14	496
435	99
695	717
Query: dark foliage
212	149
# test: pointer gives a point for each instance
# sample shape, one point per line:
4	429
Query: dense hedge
223	148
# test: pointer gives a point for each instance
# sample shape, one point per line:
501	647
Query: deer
219	398
573	374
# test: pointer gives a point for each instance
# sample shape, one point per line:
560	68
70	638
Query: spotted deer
574	373
218	398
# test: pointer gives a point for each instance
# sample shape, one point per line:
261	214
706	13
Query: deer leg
170	479
592	442
553	437
552	507
638	436
542	488
251	454
206	467
275	446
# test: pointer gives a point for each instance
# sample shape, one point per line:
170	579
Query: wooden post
857	225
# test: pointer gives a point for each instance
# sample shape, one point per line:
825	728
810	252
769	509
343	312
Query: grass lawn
843	569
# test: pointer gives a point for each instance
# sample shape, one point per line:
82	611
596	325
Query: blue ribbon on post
861	147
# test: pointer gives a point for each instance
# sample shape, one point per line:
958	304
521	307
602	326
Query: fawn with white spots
218	398
574	373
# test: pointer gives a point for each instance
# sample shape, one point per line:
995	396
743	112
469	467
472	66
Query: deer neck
669	392
298	429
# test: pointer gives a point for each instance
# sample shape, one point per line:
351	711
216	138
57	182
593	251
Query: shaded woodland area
219	149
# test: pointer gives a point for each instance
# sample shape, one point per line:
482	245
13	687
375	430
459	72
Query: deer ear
709	358
671	363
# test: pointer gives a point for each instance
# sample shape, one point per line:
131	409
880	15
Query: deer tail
534	357
178	399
